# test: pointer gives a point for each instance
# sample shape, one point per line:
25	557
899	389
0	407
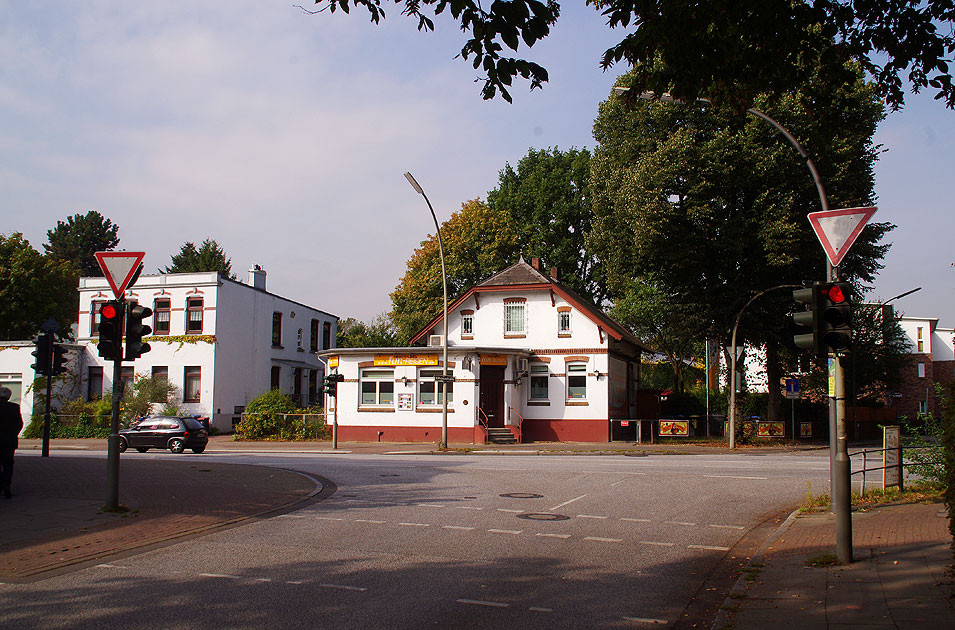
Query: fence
902	464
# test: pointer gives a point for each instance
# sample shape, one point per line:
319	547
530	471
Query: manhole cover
543	517
522	495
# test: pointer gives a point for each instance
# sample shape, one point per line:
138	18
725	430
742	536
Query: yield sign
119	268
838	229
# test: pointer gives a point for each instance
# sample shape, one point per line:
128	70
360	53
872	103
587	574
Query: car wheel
198	449
176	445
123	445
141	449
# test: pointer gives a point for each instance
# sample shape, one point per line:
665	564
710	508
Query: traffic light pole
840	467
49	394
112	448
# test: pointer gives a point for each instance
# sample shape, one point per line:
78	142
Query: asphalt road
460	541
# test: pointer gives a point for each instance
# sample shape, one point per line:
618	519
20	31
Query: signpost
792	393
891	457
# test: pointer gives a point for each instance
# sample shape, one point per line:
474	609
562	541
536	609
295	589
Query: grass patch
823	560
915	492
752	571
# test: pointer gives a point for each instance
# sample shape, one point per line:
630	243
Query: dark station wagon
172	432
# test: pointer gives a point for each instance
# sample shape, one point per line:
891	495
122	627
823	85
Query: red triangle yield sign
838	229
119	267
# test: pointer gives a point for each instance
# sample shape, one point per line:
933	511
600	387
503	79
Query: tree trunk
774	409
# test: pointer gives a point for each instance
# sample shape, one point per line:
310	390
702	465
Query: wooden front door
492	395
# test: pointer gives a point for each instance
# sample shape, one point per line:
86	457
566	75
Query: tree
208	257
76	240
34	288
730	51
548	198
478	241
380	333
709	207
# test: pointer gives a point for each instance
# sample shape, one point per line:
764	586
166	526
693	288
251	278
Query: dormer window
563	321
467	324
515	321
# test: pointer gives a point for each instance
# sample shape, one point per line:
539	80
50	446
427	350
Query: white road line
644	620
431	505
566	503
505	531
735	477
597	539
537	609
708	547
635	520
110	566
365	520
263	580
554	535
510	511
220	575
617	483
467	507
478	602
611	472
294	582
328	518
590	516
679	523
416	524
459	528
291	516
728	526
342	587
658	544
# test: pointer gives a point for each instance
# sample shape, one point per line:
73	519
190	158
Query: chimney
536	263
553	274
257	277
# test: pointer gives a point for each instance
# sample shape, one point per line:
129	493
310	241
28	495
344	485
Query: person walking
11	422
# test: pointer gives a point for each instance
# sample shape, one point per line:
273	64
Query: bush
77	419
274	416
948	445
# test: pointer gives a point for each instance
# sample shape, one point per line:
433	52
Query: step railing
518	428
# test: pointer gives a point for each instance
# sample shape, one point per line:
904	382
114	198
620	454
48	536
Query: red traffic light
108	311
835	294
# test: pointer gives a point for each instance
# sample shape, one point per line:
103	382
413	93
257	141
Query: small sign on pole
792	388
891	457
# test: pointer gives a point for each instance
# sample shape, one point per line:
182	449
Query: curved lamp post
444	338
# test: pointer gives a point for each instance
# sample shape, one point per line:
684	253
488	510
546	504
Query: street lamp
444	337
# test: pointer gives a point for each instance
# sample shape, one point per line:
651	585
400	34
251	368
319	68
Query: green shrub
948	445
274	416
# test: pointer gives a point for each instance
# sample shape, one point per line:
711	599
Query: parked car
175	433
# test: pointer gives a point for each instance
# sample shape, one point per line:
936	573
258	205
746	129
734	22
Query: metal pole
335	422
112	449
49	395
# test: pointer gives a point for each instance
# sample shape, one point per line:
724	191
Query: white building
932	354
221	342
526	354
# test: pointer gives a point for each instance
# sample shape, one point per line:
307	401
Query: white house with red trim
527	355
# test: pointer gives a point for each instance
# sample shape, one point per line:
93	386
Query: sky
284	137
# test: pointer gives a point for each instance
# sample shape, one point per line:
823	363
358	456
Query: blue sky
284	137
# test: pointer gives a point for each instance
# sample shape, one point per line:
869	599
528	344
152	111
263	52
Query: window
194	316
377	387
161	312
94	318
275	378
429	390
298	340
312	386
467	324
576	381
313	339
191	382
276	330
539	380
922	407
94	384
563	321
514	318
921	343
326	335
160	372
921	370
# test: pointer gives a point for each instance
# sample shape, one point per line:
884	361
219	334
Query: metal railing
520	423
902	465
484	422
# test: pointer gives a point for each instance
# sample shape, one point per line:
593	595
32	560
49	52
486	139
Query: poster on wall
405	402
805	429
770	429
674	427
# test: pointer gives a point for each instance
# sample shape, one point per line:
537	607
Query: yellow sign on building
391	360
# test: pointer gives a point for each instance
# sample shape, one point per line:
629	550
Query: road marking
365	520
679	523
294	582
644	620
220	575
658	544
537	609
597	539
554	535
590	516
328	518
342	587
263	580
478	602
510	511
505	531
735	477
458	527
728	526
467	507
617	483
291	516
566	503
416	524
635	520
110	566
610	472
432	505
708	547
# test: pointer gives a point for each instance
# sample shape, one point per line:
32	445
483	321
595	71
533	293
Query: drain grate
522	495
543	516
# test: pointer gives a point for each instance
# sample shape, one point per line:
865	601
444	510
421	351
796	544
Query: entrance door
492	395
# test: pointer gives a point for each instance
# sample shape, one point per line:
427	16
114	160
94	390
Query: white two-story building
526	353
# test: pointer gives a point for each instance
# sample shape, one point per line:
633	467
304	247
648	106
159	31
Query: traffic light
110	329
136	330
42	354
836	315
810	318
58	365
331	384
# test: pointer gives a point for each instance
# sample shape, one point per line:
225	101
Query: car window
192	424
170	424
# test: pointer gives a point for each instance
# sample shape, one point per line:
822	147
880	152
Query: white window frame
467	325
378	377
428	387
921	368
561	329
511	318
539	371
576	370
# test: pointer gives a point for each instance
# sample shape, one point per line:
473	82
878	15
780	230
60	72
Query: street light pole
444	338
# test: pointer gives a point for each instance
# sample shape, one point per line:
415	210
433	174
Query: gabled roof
521	275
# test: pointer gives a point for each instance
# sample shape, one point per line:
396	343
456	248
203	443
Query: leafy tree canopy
726	50
548	198
79	237
478	241
379	333
209	256
34	288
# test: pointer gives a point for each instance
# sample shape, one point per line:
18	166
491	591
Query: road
459	541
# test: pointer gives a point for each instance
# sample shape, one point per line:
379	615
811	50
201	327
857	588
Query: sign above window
406	359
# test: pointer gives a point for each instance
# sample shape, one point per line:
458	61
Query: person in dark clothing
11	422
